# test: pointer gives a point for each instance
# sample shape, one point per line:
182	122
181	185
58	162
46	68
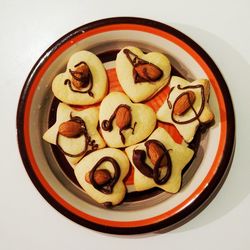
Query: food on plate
75	132
158	162
102	141
186	106
84	82
101	175
142	75
124	123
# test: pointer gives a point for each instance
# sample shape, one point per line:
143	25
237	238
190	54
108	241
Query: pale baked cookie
124	123
142	75
84	82
186	106
101	175
158	162
75	132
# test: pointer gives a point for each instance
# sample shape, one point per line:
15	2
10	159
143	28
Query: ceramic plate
142	212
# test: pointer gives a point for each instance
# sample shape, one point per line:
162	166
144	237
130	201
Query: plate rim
205	196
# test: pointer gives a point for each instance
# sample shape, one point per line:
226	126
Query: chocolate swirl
107	125
107	188
86	81
196	114
145	76
84	133
164	161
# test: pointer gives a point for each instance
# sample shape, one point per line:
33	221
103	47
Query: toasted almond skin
148	72
184	102
123	117
154	152
101	177
83	70
70	129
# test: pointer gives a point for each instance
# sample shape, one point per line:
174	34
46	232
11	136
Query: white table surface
28	28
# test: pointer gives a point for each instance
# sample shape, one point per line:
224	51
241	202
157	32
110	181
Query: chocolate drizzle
85	80
107	188
169	103
164	161
84	133
196	114
107	125
145	76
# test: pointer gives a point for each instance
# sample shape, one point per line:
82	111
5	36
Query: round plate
141	212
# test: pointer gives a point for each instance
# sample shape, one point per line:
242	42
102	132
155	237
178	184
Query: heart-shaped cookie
75	132
158	162
84	82
142	75
186	106
101	175
124	123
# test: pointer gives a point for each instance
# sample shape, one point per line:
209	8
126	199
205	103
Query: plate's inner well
154	195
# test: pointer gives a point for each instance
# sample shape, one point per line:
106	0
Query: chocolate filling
87	138
107	188
139	158
196	114
107	125
136	61
86	81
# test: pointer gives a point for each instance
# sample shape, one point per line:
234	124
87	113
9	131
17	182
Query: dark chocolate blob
139	158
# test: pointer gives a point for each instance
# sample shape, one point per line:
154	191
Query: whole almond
154	152
184	102
70	129
123	117
80	76
149	72
101	177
